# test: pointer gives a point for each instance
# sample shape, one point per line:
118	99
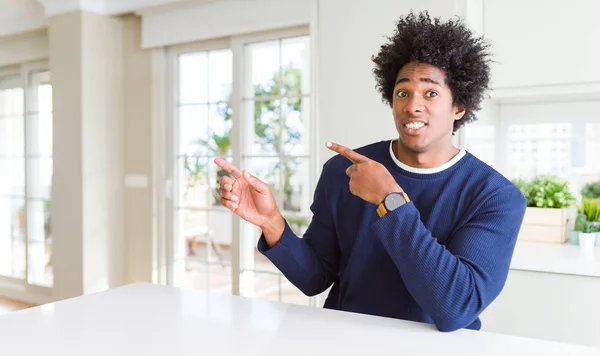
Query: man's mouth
414	128
414	125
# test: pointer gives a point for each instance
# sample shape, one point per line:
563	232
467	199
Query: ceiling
20	16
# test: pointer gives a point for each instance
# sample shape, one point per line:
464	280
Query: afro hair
449	46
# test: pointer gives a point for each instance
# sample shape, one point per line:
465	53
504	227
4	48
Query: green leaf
546	192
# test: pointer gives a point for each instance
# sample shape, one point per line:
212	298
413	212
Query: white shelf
556	258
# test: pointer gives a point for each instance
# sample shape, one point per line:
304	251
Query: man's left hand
369	179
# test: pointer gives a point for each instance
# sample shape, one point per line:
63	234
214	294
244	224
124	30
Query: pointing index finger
346	152
228	167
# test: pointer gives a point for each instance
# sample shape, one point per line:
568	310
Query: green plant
580	222
591	209
297	224
272	130
193	169
546	192
590	227
591	190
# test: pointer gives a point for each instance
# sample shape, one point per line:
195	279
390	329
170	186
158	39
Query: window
527	140
268	102
26	163
276	147
203	121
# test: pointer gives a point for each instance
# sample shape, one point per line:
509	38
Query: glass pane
39	132
194	228
194	187
220	129
536	149
44	98
296	116
220	75
265	125
268	170
298	223
193	78
12	181
296	189
263	63
12	136
215	174
11	100
539	131
12	237
40	177
207	237
39	243
295	66
259	278
593	131
592	162
193	130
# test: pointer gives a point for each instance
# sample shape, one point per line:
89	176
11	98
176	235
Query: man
412	228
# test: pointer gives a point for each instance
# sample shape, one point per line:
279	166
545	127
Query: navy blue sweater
440	259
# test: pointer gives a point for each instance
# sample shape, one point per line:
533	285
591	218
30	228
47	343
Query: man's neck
431	159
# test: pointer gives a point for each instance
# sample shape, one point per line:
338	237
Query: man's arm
310	263
454	284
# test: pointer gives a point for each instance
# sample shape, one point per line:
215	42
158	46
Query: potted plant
547	215
587	236
590	208
580	222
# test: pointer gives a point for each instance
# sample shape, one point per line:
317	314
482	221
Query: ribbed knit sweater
440	259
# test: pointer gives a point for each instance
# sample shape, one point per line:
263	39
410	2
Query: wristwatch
392	201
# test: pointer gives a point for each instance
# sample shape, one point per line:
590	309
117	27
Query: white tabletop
556	258
152	320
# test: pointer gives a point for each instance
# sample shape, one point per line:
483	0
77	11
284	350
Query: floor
264	281
7	306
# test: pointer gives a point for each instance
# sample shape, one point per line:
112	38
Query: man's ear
458	113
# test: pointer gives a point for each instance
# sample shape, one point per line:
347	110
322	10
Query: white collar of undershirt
438	169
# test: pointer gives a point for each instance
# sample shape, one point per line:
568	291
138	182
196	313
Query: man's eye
401	94
431	94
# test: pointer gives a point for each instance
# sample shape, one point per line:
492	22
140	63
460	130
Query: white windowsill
555	258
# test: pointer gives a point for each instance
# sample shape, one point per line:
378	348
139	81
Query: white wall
350	110
556	307
87	192
543	42
138	203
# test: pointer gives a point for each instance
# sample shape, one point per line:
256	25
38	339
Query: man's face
422	107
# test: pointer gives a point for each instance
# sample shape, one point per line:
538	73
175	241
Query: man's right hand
252	200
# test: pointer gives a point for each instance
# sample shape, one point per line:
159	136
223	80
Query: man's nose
414	103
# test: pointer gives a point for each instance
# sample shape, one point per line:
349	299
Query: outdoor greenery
591	190
273	133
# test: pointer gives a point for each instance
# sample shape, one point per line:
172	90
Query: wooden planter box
545	225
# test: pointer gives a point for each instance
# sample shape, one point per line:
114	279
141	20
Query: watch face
393	201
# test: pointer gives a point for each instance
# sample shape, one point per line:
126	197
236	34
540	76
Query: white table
151	320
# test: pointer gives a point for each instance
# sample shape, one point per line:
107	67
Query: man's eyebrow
425	80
